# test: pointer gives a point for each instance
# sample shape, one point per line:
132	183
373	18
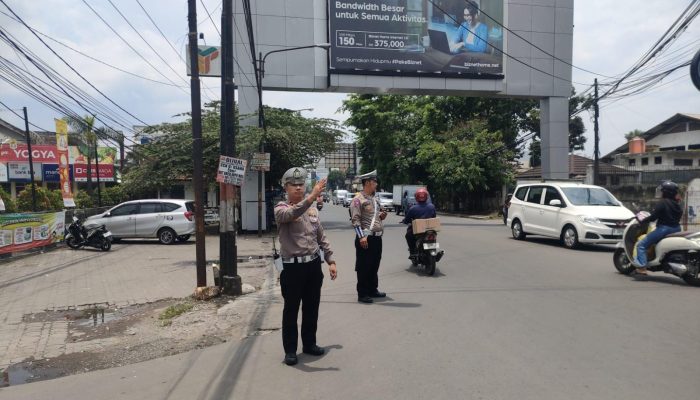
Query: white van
572	212
339	196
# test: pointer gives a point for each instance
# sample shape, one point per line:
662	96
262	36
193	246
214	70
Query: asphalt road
501	319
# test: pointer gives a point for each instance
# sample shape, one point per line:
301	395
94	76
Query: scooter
428	251
97	236
677	254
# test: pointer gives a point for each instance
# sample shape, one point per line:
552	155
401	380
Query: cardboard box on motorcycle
422	225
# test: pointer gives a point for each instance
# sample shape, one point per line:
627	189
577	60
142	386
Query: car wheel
183	238
166	236
517	230
569	237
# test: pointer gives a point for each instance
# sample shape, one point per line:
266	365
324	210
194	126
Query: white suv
573	212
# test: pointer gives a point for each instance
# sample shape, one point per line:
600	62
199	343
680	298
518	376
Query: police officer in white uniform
301	239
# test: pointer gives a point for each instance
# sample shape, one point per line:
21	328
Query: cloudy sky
609	36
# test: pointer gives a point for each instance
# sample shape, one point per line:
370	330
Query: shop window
645	161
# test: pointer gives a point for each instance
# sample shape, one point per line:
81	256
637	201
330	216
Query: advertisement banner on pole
260	162
63	162
231	171
106	173
209	58
409	38
24	231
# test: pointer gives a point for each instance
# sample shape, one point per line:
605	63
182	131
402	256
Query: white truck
405	197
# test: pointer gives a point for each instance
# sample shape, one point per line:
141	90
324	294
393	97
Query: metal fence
621	176
691	214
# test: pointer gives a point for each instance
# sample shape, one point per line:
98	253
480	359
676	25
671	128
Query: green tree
291	140
10	205
633	134
336	179
45	199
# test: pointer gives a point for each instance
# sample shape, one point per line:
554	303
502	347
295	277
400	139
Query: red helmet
421	195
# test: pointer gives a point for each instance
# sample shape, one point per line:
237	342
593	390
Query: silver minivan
166	219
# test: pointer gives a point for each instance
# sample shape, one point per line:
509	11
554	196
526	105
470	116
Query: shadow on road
581	247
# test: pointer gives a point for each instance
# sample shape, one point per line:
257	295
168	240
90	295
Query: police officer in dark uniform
301	241
367	216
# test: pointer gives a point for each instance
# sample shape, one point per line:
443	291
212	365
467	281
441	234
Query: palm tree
85	128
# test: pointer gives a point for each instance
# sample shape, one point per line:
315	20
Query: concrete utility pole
228	252
197	173
596	162
31	159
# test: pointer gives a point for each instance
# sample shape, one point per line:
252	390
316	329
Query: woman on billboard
472	33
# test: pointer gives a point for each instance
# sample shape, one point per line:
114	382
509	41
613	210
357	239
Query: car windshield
589	196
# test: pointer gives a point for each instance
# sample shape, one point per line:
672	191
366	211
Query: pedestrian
366	216
506	205
302	243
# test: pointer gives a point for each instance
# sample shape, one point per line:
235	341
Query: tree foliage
291	140
46	200
633	134
455	145
336	179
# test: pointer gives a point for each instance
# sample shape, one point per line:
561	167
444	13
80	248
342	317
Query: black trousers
301	283
367	265
411	241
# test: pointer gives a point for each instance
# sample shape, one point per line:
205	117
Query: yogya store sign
18	152
106	173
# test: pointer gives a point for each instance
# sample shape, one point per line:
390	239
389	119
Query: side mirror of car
555	203
106	215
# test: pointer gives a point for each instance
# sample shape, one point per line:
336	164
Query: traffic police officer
367	216
301	239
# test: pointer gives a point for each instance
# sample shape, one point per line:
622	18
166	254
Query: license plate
430	246
107	234
617	231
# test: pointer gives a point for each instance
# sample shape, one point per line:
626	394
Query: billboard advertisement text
417	37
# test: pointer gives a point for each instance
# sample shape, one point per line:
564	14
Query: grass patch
167	316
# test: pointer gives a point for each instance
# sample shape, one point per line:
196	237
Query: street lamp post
260	70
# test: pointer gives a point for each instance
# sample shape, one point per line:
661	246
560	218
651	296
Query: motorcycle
428	251
79	236
677	254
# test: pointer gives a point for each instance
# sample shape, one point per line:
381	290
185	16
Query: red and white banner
19	152
106	173
63	157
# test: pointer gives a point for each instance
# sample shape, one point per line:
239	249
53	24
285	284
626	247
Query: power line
89	56
129	45
210	19
70	66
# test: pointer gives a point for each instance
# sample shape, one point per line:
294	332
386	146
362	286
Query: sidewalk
133	273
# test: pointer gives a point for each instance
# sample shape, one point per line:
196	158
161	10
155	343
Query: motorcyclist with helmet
668	214
421	210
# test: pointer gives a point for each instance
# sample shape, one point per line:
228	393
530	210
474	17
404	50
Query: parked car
348	199
168	220
572	212
386	200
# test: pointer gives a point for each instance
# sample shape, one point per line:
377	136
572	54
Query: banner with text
24	231
106	173
415	37
260	162
231	171
63	160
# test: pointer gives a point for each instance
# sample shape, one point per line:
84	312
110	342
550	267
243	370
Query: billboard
209	58
24	231
417	37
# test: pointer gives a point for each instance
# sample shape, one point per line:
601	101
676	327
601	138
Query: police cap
294	176
370	175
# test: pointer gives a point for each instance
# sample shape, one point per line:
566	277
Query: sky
609	36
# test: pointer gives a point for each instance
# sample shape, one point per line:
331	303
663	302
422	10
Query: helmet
669	189
421	195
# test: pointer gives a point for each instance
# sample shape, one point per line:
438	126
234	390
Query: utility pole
31	159
228	253
596	163
121	153
261	125
197	173
97	173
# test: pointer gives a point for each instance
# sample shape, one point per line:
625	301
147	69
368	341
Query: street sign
260	162
231	171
